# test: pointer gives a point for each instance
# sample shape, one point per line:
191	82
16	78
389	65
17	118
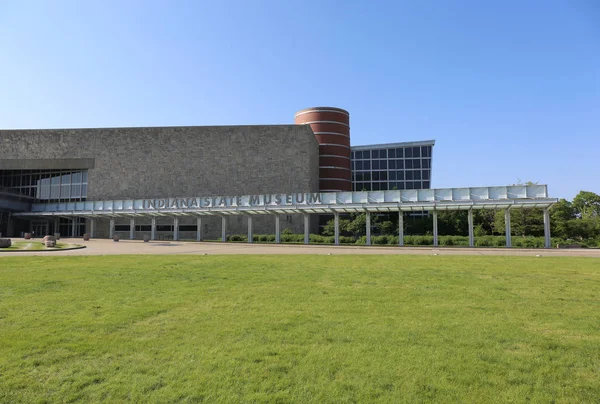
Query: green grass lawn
33	246
322	329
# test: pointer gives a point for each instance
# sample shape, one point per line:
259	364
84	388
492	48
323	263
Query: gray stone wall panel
159	162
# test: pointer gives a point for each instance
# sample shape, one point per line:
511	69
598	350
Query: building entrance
40	228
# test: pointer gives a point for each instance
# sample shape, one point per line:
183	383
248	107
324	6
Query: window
359	165
425	174
408	152
187	227
375	175
416	163
383	154
409	175
408	164
426	163
375	164
399	153
143	227
375	154
366	165
392	164
121	227
416	151
383	175
392	153
392	175
375	186
426	185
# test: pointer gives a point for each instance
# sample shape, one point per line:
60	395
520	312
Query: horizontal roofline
150	127
388	145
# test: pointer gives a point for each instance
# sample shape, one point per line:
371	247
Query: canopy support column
74	227
507	228
400	228
111	228
435	228
306	228
547	236
250	235
223	229
471	235
336	220
368	228
153	229
198	229
131	228
92	228
277	229
175	228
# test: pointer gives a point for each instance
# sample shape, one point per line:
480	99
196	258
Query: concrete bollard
27	236
146	238
5	242
116	237
86	237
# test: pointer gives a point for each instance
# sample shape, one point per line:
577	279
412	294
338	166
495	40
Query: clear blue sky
510	90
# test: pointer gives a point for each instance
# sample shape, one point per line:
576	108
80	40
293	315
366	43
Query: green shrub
446	241
362	240
347	240
292	238
379	240
423	240
484	241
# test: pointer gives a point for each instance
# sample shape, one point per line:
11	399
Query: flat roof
392	145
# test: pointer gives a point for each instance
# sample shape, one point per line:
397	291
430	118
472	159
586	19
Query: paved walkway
109	247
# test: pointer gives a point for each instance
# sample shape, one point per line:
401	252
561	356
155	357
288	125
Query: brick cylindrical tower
332	130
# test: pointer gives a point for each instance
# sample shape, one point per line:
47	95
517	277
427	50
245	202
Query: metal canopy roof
504	197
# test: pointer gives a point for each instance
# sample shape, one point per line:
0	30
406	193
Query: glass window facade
47	185
387	168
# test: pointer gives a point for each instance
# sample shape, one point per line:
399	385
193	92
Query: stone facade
159	162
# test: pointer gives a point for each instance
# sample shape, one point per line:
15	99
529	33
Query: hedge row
482	241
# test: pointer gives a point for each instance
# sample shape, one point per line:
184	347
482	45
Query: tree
561	215
587	204
484	220
523	222
354	225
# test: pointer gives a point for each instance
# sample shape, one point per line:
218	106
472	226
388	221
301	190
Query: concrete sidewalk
109	247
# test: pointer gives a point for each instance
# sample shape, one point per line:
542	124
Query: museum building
206	182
